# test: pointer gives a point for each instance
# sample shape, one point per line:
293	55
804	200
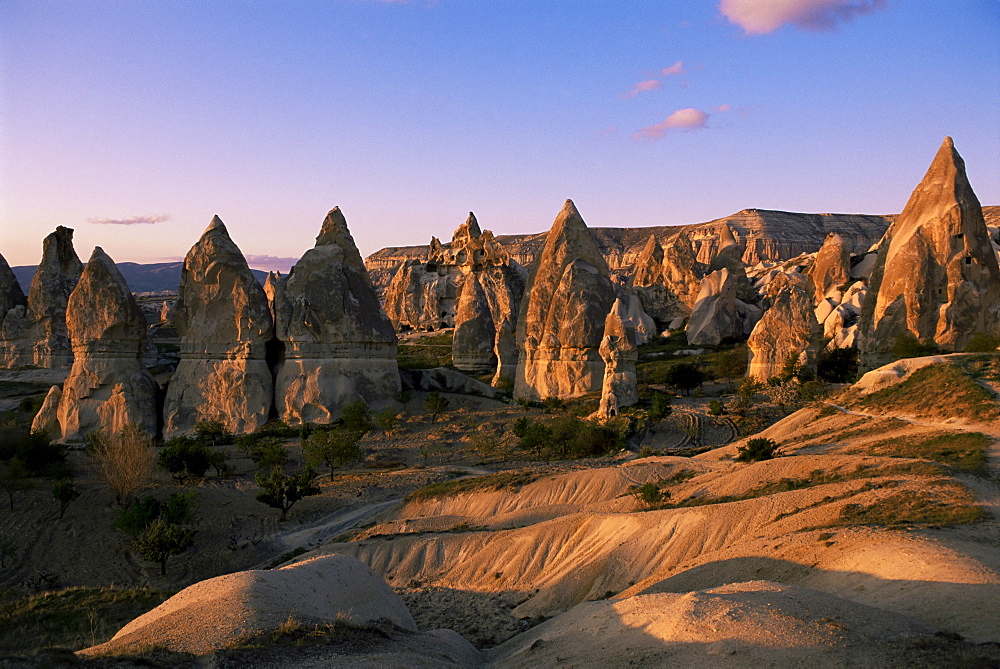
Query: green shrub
685	375
649	493
907	346
161	540
184	456
356	416
661	407
982	342
553	404
716	408
837	366
756	449
179	509
65	493
38	456
282	491
520	427
436	403
387	419
334	447
212	432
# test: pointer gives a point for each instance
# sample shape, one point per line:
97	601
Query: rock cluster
718	314
788	329
336	343
224	323
561	324
471	284
108	387
33	330
667	281
936	277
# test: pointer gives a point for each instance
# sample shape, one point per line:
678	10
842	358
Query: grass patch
937	391
425	352
941	503
72	619
455	487
964	450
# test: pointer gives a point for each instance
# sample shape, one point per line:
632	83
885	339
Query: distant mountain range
141	278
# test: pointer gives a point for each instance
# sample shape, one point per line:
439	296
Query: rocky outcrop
667	280
620	353
424	292
561	324
224	323
718	314
108	387
337	344
475	333
832	267
34	332
11	294
937	276
505	349
787	329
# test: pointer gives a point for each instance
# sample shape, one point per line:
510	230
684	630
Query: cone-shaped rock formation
561	324
937	276
475	332
224	323
619	350
34	332
338	344
832	267
108	387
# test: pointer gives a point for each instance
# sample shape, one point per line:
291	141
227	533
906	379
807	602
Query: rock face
667	280
788	328
108	387
832	267
475	333
338	345
620	353
34	332
937	276
718	313
561	324
505	349
224	323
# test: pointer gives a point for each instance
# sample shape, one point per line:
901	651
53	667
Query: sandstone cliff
224	323
561	324
937	276
619	351
787	329
337	344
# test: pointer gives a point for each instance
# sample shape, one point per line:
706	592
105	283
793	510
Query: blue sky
410	114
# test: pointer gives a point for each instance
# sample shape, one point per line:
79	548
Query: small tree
335	448
65	493
123	461
649	493
716	408
183	456
356	416
281	491
686	376
837	366
758	448
212	433
161	539
14	478
743	403
908	346
8	550
436	403
386	420
661	407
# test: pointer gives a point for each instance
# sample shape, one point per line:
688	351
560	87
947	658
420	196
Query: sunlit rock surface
224	323
108	387
788	329
937	276
619	350
561	323
337	344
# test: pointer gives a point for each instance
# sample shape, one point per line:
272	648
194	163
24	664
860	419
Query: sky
135	122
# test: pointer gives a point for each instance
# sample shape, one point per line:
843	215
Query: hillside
141	278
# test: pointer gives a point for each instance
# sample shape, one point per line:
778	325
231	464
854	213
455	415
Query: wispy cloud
642	87
131	220
764	16
675	70
270	263
689	119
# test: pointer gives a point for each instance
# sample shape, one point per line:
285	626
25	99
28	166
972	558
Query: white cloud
131	220
689	119
764	16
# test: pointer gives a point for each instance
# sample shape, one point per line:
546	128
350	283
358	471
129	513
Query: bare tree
124	461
